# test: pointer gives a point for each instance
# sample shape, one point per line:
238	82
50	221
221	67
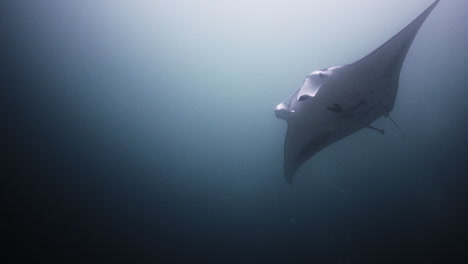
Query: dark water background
143	131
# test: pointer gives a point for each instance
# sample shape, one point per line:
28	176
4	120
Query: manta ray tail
401	132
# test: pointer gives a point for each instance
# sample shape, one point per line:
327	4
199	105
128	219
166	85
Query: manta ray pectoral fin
381	131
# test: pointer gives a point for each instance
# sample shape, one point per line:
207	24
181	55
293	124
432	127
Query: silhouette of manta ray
334	103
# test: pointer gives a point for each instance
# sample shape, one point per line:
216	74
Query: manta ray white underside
336	102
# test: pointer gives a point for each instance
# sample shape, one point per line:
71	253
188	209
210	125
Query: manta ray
336	102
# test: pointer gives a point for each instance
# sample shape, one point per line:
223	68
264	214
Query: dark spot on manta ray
358	105
335	108
357	94
371	91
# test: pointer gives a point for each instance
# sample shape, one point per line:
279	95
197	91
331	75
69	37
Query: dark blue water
145	132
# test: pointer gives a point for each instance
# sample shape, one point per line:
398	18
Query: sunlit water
144	130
